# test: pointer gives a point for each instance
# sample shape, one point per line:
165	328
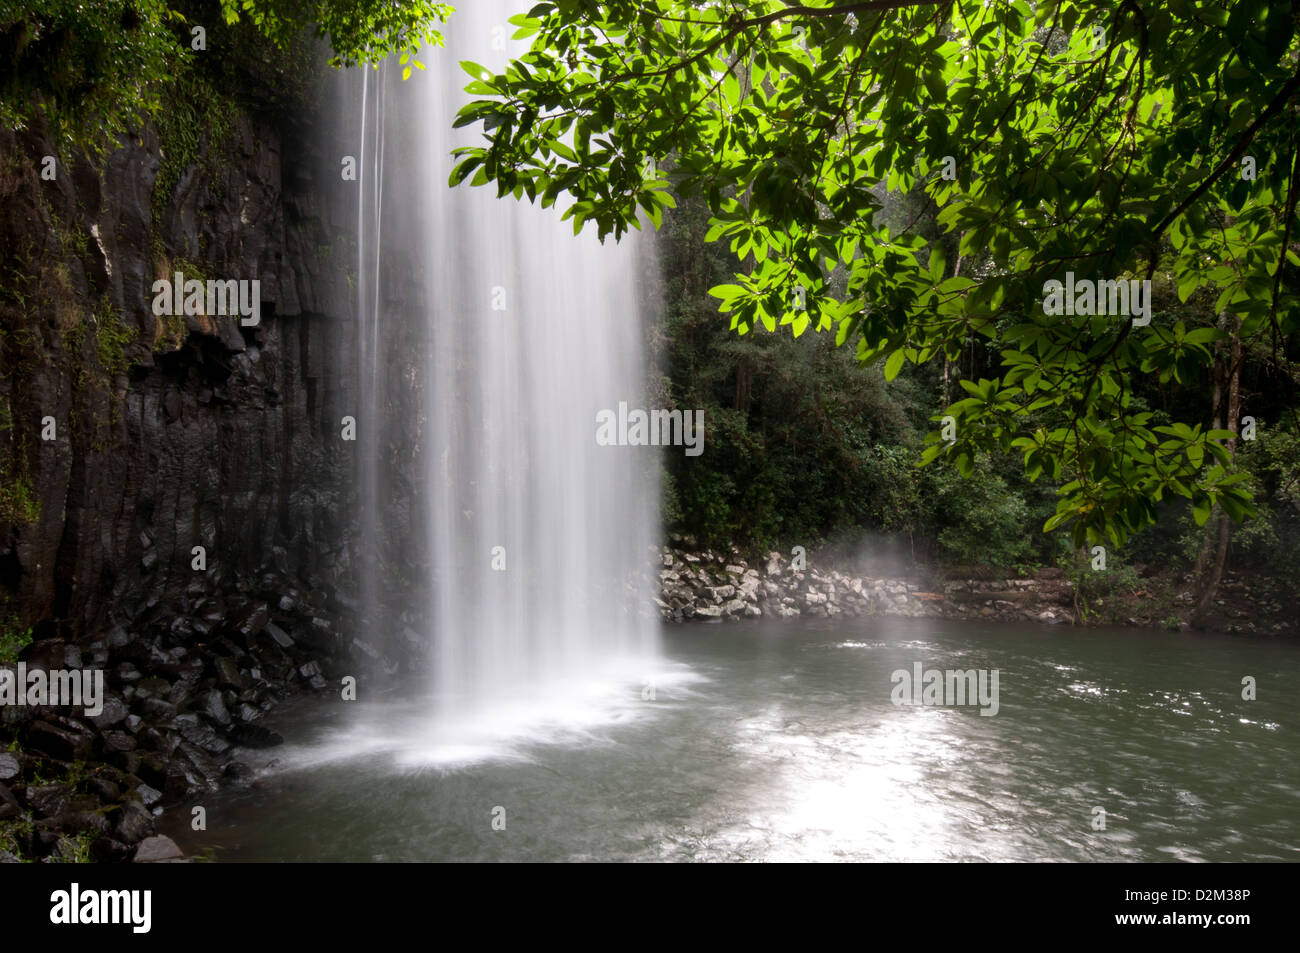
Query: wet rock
230	649
201	736
157	849
239	772
248	621
214	707
228	675
126	674
9	806
158	711
159	740
254	736
246	713
134	823
149	796
281	638
59	742
75	822
185	686
52	654
115	711
109	850
183	781
152	687
153	771
47	800
118	741
200	766
321	632
104	790
128	762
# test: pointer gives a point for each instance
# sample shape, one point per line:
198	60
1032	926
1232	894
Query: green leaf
894	364
938	261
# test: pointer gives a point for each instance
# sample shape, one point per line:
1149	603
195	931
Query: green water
781	742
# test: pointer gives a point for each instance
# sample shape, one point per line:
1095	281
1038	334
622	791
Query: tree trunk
946	382
1213	557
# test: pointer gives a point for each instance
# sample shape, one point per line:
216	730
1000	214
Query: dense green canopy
98	70
1069	142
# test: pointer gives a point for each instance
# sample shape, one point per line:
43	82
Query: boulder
248	621
9	806
47	800
61	743
214	708
115	711
158	849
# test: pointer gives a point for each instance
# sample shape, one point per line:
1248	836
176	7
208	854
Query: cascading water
537	539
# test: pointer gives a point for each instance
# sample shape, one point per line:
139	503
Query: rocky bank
706	585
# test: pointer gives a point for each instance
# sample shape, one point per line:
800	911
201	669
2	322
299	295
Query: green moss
174	329
173	335
13	285
191	269
195	110
113	336
14	829
76	848
13	638
73	242
18	504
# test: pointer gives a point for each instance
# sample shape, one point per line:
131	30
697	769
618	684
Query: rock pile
711	586
181	712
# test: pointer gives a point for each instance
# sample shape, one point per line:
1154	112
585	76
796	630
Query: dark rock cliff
171	432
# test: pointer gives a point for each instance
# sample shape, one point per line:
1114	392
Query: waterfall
534	588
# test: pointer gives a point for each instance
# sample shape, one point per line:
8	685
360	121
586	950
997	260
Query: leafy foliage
95	71
1110	141
359	31
13	638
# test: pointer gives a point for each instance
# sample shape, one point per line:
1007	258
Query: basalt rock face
167	433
